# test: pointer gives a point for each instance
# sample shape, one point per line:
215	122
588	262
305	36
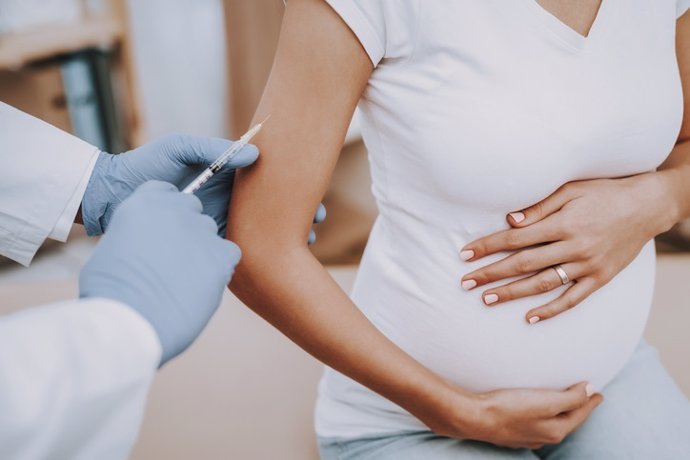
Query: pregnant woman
472	110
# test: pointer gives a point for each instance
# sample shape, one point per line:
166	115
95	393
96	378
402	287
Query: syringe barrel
197	183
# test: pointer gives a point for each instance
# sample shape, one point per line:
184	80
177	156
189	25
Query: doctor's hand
174	158
163	258
583	235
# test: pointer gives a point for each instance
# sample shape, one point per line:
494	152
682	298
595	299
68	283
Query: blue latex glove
162	257
174	158
319	217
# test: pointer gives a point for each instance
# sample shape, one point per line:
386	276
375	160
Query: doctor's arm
74	376
47	177
319	73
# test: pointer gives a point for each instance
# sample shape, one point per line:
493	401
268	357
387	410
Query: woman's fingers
544	281
576	417
520	263
572	296
574	406
512	240
575	397
532	417
543	209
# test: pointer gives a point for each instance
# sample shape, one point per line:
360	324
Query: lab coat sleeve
43	175
73	380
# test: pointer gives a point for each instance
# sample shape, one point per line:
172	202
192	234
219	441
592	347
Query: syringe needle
228	155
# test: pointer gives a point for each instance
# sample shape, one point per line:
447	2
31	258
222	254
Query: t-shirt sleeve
385	28
681	7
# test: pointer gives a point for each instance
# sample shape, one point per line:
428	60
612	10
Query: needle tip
265	120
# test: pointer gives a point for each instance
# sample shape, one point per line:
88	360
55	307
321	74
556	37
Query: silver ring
561	274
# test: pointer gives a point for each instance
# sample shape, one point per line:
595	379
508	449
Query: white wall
179	48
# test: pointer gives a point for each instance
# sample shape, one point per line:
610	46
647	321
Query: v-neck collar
601	25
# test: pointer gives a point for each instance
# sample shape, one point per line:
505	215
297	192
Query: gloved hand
174	158
162	257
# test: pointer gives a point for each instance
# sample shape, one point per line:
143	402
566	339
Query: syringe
228	155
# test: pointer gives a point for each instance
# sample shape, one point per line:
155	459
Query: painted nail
490	298
517	216
589	389
468	284
467	254
534	319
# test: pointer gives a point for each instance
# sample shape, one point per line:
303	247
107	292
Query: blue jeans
644	416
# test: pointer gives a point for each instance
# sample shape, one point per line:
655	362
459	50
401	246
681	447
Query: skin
573	226
319	74
579	15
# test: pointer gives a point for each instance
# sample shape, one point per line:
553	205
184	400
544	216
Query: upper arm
683	54
319	73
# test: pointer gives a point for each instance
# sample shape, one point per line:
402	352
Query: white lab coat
73	375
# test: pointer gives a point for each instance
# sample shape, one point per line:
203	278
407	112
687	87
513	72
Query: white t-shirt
477	108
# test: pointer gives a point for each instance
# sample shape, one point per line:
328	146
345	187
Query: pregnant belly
408	286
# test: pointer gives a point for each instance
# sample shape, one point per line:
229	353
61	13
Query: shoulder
385	28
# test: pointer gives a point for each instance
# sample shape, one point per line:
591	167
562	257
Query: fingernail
467	254
468	284
590	390
534	319
517	216
490	298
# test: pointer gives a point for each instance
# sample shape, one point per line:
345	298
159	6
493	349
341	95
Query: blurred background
119	73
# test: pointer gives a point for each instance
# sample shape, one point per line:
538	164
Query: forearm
674	173
69	365
675	176
320	72
308	306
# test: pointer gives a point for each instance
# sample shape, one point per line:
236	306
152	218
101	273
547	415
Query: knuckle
513	240
553	437
483	277
209	222
607	273
599	276
233	251
524	264
563	229
505	293
480	248
569	302
585	251
544	285
538	209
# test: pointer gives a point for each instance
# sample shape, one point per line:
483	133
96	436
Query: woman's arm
676	169
319	74
578	220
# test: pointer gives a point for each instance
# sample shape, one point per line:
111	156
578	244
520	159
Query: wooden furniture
25	57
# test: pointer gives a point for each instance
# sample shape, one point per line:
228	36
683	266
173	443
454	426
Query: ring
561	274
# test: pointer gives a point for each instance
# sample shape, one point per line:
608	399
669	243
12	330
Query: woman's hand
591	229
522	418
